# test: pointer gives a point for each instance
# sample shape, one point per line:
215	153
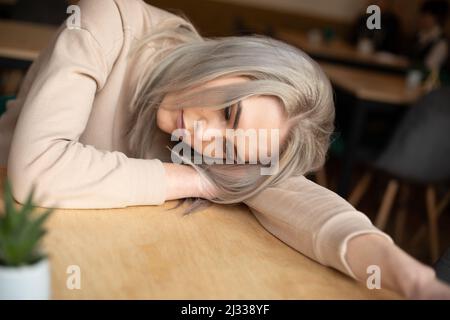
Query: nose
194	122
204	128
199	121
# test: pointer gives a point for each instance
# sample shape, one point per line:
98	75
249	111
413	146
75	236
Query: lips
180	120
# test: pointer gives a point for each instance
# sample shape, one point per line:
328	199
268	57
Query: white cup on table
413	79
365	46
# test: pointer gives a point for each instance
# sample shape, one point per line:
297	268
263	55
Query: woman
430	47
99	107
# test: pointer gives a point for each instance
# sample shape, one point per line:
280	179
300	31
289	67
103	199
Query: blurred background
390	154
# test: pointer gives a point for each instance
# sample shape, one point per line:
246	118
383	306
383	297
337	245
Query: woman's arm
45	149
398	271
323	226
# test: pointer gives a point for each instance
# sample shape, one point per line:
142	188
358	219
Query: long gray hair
182	60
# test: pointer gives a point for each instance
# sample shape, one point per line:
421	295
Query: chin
164	125
165	129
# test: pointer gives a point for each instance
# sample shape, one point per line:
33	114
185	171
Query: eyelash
227	113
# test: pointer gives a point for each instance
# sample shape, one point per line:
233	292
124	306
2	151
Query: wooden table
371	85
340	51
22	41
148	252
371	90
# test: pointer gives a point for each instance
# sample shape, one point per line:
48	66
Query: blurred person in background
430	46
385	39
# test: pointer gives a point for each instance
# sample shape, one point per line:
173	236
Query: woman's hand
428	287
183	181
206	189
399	271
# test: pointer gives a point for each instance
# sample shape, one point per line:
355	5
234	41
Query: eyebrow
238	115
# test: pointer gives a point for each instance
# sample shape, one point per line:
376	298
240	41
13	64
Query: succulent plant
20	231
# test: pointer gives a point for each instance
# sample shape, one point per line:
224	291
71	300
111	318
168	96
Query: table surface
341	50
23	40
372	85
366	84
150	252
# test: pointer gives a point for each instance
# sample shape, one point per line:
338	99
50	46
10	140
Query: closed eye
227	113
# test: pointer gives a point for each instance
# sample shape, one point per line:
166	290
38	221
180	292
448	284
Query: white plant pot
25	283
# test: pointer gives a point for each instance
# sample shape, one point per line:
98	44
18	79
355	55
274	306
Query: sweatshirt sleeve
45	149
311	219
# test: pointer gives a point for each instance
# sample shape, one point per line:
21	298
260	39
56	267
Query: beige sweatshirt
64	133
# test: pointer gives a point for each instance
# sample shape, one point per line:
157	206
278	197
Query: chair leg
423	229
433	227
386	205
400	218
443	204
321	177
360	189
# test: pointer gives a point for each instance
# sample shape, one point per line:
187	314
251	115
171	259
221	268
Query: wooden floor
150	252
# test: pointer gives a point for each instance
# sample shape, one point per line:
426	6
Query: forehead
258	112
262	112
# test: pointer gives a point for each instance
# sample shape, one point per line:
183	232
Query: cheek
164	120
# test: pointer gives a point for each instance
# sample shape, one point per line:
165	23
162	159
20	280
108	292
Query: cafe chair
418	154
442	267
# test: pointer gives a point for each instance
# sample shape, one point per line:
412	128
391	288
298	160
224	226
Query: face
257	113
427	22
383	4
